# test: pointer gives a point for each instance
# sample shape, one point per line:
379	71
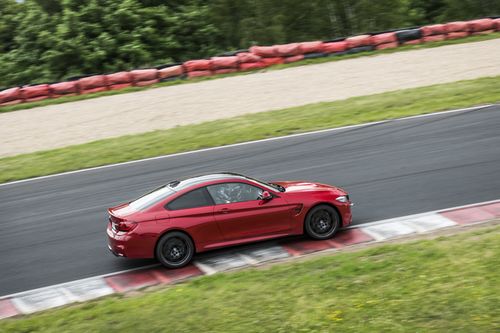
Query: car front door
241	214
194	212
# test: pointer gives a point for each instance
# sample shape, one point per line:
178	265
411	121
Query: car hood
304	186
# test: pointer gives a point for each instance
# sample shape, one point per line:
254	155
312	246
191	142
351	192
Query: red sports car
181	218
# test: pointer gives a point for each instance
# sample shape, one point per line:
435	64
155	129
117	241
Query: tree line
49	40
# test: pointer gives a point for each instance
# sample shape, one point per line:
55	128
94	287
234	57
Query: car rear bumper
130	245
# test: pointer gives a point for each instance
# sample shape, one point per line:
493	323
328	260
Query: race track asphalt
52	230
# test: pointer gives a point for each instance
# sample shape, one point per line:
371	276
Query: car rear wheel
175	249
322	222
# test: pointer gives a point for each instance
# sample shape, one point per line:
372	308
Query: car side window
192	199
233	192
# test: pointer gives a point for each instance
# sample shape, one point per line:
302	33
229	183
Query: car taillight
123	226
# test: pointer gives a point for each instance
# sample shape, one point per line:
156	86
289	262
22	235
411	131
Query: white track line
248	143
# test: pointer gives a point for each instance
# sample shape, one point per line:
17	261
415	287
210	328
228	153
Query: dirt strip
112	116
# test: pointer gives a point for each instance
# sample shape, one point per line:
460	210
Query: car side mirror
266	196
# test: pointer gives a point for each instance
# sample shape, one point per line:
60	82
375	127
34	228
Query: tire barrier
360	49
333	47
144	77
69	88
264	51
224	62
291	59
119	80
457	34
35	93
254	58
248	57
92	84
11	96
310	47
387	46
315	55
199	73
456	27
197	65
248	66
481	25
286	50
272	61
435	29
169	73
408	35
225	70
413	42
434	38
385	38
358	41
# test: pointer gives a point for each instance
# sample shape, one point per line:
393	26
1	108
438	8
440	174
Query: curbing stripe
86	289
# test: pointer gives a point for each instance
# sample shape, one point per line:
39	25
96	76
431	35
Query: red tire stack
386	40
249	61
170	72
358	41
456	30
119	80
197	68
224	65
61	89
11	96
482	26
269	55
334	47
289	52
144	77
433	33
35	93
92	84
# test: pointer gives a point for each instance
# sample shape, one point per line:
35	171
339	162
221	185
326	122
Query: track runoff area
365	230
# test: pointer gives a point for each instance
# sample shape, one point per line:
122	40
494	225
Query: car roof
179	185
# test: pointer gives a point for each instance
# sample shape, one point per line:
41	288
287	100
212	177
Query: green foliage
49	40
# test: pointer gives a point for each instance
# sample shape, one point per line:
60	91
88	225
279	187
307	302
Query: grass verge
253	126
61	100
389	288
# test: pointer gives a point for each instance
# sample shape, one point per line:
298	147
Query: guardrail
256	57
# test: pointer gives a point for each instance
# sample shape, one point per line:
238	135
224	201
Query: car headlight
343	199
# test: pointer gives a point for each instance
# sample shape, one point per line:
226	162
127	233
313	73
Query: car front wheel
175	249
322	222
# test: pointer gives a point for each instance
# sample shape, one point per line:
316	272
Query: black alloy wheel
175	249
322	222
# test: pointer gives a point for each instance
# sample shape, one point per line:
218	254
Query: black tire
174	249
322	222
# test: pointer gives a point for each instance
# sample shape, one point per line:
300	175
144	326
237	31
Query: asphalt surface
52	230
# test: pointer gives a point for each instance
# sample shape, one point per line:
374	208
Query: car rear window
192	199
152	198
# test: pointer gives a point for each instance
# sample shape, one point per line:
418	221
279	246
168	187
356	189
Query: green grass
61	100
253	126
449	284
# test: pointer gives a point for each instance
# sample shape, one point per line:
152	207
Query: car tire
174	249
322	222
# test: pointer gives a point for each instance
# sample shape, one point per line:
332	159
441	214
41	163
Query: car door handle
224	211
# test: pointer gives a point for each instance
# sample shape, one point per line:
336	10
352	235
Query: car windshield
152	197
268	185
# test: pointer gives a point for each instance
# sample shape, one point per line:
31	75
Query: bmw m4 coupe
184	217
